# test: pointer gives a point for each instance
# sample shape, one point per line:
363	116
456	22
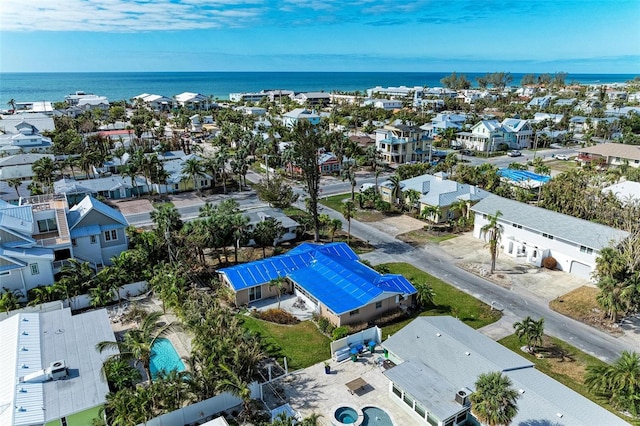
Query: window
176	186
74	242
432	420
354	312
378	305
461	417
47	225
93	239
396	390
449	423
419	408
35	270
111	235
255	293
587	250
408	399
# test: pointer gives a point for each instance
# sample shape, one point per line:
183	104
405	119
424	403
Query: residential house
34	107
198	122
252	97
486	136
565	102
97	232
540	102
155	102
42	122
436	362
19	166
327	162
386	104
401	143
51	371
94	103
192	101
278	94
397	92
22	136
291	118
254	111
531	233
438	192
628	191
178	180
622	111
610	154
518	134
542	116
289	225
75	98
313	99
443	121
113	187
329	278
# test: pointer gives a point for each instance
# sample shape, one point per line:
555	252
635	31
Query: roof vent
24	366
521	391
24	348
559	415
467	353
438	334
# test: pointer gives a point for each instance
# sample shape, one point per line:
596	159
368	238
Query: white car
514	153
562	157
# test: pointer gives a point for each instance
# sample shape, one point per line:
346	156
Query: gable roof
447	350
565	227
621	150
331	273
88	204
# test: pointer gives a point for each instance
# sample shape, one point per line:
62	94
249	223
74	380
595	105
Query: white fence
360	338
128	290
203	410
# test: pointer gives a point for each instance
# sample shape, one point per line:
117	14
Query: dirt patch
185	199
136	205
580	304
500	278
395	225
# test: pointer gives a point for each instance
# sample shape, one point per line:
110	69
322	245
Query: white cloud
126	15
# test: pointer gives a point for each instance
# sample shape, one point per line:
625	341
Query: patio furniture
341	354
356	385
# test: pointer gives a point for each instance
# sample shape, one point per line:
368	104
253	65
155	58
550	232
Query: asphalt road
517	303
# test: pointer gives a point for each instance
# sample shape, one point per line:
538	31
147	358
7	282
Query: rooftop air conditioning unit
462	397
58	370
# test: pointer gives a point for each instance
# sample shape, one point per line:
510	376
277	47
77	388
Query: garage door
580	269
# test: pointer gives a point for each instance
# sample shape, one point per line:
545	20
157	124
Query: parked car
514	153
366	186
468	152
562	157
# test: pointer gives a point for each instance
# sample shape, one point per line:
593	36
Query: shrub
549	262
278	316
323	324
340	332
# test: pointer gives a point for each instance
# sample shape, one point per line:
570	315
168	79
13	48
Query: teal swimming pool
164	357
374	416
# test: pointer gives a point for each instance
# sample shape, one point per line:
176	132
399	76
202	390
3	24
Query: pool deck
312	391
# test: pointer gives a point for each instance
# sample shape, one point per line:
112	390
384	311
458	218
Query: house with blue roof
97	232
329	278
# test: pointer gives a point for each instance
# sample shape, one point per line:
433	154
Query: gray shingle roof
559	225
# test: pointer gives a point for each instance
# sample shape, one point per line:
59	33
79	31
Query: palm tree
425	293
348	209
530	331
192	169
333	226
619	382
9	299
396	189
15	184
12	104
279	284
138	342
235	385
494	402
493	230
414	196
266	233
43	170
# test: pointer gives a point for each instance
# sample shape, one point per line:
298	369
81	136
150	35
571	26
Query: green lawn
564	363
448	301
335	201
302	344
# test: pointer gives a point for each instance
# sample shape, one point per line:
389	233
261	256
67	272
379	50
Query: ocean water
24	87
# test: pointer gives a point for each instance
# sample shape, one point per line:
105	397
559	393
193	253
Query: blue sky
584	36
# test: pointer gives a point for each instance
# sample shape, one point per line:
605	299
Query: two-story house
22	137
291	118
486	136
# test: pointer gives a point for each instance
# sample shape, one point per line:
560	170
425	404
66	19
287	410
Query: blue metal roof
331	273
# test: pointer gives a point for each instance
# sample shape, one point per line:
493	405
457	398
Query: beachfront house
530	234
192	101
313	99
435	362
51	371
22	136
329	278
154	102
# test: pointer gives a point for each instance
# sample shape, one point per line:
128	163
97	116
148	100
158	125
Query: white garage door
580	269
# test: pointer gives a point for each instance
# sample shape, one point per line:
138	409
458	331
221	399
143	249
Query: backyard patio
288	302
356	384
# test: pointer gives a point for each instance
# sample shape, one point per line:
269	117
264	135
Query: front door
255	293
